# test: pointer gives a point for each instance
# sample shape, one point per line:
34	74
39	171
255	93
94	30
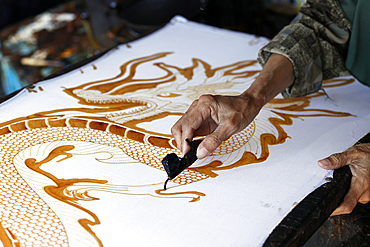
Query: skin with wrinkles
358	159
218	117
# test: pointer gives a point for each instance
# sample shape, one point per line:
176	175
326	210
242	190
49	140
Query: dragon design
130	106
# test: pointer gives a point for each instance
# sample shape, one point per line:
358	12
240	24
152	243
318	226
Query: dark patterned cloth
316	42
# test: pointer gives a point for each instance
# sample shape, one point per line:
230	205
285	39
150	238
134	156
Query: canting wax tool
174	166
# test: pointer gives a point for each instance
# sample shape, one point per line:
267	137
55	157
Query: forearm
316	44
276	76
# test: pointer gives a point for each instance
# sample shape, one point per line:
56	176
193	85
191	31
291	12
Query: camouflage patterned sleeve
315	42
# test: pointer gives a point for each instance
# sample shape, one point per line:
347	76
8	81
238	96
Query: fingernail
202	153
324	163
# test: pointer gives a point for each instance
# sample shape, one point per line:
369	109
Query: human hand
217	117
358	159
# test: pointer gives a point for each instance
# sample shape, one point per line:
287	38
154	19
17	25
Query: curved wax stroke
62	184
7	238
117	105
71	191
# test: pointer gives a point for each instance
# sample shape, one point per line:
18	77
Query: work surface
80	153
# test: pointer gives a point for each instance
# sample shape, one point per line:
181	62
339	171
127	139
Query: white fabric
240	206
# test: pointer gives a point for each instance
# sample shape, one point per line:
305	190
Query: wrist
259	90
276	76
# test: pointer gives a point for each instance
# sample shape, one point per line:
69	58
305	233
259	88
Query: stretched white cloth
81	154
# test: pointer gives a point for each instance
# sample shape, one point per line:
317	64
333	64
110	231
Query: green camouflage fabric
316	42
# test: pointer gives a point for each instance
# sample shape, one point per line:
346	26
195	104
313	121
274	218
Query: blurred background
41	37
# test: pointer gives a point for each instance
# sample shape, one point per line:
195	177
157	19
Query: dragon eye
169	95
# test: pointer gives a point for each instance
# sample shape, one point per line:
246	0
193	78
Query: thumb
337	160
212	141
